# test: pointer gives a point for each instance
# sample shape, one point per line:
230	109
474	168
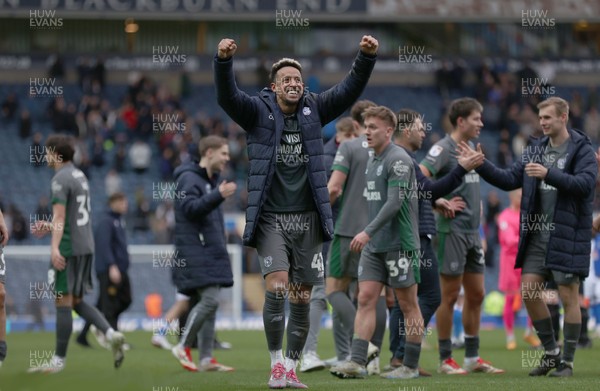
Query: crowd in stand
149	127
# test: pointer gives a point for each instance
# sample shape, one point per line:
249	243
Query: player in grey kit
72	250
347	187
390	246
460	253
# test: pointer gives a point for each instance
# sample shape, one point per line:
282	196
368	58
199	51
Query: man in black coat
288	215
558	175
112	264
202	267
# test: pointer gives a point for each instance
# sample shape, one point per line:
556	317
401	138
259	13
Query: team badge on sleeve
436	150
400	168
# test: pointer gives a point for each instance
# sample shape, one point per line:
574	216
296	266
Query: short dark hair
284	62
210	142
462	108
358	108
62	146
116	196
406	117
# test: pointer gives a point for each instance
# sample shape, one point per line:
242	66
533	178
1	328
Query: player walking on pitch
72	251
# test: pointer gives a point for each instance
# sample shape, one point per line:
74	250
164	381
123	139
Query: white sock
109	334
290	364
553	352
205	361
276	356
471	360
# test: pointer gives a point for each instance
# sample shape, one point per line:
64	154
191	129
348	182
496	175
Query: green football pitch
147	368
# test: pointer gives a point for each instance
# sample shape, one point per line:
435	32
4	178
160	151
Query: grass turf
147	368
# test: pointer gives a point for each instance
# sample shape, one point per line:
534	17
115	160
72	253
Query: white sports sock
276	356
470	360
290	364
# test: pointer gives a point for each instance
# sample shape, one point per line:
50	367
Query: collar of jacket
576	136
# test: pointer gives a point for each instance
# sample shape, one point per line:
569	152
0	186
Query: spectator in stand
167	164
120	157
99	73
43	208
112	182
36	151
142	212
591	124
20	228
98	151
9	107
140	156
57	67
25	125
164	224
112	264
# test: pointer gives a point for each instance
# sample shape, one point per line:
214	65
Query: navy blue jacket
430	190
262	119
570	241
199	231
111	243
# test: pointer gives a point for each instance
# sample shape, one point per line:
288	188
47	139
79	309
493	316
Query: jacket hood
189	166
577	136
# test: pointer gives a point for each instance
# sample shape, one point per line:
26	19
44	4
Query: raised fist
226	48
